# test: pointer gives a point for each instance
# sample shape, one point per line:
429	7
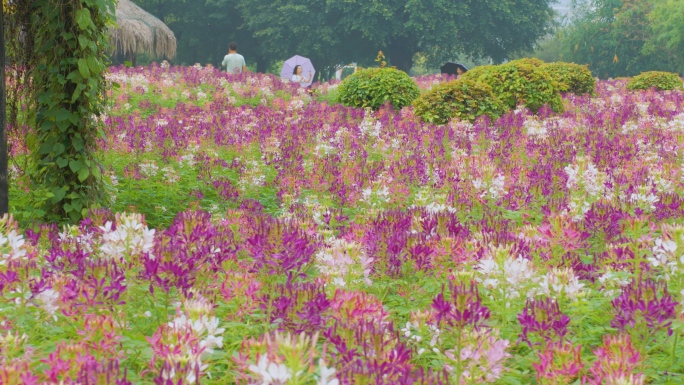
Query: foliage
69	88
667	22
335	31
373	87
461	99
202	31
617	38
655	79
523	81
572	77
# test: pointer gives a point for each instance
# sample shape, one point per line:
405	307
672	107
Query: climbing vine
68	68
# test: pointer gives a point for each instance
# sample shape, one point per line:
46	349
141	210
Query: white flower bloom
12	247
130	238
48	301
149	169
558	281
326	374
270	372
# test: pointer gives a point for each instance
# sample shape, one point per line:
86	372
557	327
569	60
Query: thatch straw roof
140	32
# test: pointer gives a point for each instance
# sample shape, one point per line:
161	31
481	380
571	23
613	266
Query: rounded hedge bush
373	87
533	61
655	79
572	78
520	82
463	99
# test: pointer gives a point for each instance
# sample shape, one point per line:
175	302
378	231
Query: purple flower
463	307
542	317
638	304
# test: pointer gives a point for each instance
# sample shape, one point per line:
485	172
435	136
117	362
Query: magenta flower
560	363
638	304
463	308
543	318
616	361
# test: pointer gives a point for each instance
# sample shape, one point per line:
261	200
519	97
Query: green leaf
83	42
58	149
61	162
83	174
83	18
96	172
62	114
59	194
94	65
75	165
83	68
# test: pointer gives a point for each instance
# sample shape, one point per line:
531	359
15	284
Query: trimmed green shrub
533	61
572	78
462	99
655	79
373	87
520	82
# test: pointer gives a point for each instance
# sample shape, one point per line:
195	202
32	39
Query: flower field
257	235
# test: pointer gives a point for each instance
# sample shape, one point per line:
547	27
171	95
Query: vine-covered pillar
70	92
4	184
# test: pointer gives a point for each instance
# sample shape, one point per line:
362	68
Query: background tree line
335	31
621	37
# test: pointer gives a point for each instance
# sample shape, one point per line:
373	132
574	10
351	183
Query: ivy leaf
75	165
59	194
83	174
83	68
93	65
61	162
83	18
62	114
96	172
83	42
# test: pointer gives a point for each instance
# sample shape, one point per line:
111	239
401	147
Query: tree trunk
400	54
261	65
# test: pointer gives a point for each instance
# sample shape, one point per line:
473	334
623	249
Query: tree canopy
333	31
624	37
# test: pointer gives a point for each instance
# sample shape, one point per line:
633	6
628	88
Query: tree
667	20
284	28
4	187
615	38
335	30
440	29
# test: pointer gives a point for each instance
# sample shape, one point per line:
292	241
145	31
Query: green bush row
484	90
655	79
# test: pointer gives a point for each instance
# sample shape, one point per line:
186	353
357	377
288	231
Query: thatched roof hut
140	32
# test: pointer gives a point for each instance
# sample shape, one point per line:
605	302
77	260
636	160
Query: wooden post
4	185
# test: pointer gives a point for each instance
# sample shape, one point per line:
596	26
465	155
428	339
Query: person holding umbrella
452	68
298	78
299	70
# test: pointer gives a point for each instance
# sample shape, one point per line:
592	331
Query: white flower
148	169
48	300
270	372
326	374
130	238
535	128
16	247
493	188
558	281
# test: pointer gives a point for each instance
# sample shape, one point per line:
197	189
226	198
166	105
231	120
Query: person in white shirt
234	62
297	76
